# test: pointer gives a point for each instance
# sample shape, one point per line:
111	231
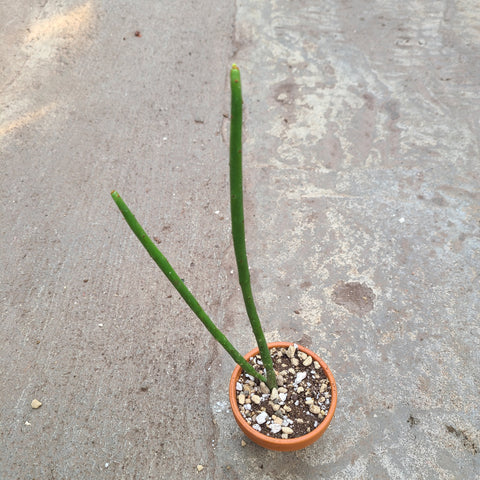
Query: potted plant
283	396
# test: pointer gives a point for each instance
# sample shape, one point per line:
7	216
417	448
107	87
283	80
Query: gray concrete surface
362	190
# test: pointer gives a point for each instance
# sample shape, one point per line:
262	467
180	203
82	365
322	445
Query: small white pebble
275	427
282	396
262	418
239	387
300	376
257	427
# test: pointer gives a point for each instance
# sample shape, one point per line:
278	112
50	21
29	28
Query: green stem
176	281
238	223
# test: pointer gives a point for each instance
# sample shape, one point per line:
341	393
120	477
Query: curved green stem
177	282
238	227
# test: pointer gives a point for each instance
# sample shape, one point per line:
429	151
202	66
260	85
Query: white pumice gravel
297	406
262	418
300	376
275	428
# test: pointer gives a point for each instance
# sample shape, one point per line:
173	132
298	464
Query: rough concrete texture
362	205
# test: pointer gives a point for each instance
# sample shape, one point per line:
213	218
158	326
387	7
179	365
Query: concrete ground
362	202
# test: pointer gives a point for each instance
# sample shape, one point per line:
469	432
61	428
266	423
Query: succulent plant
238	234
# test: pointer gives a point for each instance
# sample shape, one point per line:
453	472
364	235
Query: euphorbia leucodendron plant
238	233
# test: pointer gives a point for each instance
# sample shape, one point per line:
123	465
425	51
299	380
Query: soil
297	406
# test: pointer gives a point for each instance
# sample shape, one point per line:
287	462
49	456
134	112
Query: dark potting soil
300	403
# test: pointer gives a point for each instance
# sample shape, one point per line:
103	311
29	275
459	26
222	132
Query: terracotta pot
279	444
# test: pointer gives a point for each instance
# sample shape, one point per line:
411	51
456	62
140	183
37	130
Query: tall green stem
176	281
238	223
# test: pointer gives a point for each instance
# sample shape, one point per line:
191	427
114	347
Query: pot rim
281	443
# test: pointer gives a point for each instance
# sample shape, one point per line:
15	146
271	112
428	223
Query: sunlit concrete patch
29	93
25	119
70	25
69	29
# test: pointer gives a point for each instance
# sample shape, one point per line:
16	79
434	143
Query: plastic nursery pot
278	444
